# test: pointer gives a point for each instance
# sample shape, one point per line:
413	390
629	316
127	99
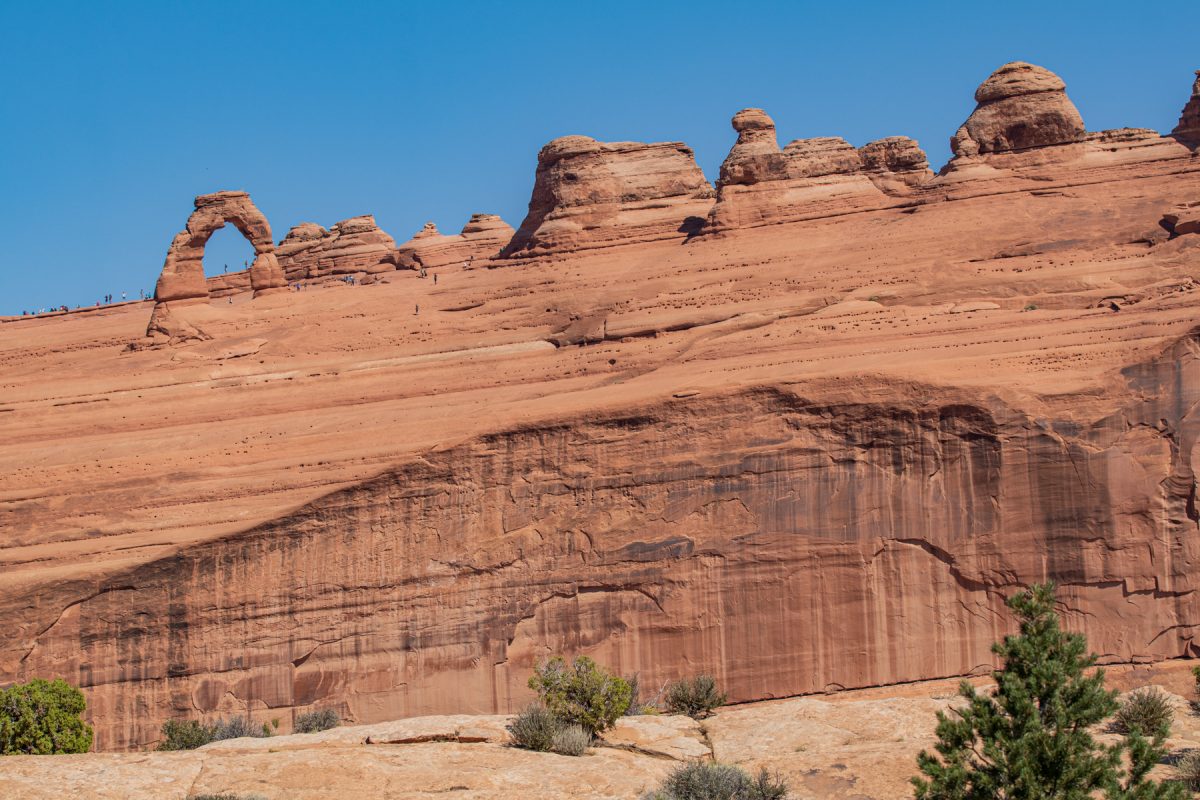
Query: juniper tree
1029	739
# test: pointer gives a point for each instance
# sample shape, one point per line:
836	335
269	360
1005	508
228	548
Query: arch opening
227	251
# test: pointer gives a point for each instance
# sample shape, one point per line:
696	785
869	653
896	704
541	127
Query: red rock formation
351	246
182	279
481	238
761	184
1188	129
183	273
1023	117
896	164
589	194
800	457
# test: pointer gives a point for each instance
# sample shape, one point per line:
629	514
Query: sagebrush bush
185	734
1146	711
571	740
225	796
534	729
697	697
705	781
319	720
238	727
581	693
1188	769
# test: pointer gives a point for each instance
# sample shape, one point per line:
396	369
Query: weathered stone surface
351	246
843	746
761	184
1021	107
589	194
895	164
481	239
1188	129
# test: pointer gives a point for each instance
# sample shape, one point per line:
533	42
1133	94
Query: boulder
1183	219
1021	108
481	238
589	194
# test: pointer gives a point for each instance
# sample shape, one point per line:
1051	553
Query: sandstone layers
799	456
481	238
354	245
762	184
589	194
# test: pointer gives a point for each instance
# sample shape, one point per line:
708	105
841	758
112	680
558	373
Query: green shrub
534	729
696	697
1188	769
313	721
1146	711
704	781
571	740
185	734
43	717
581	693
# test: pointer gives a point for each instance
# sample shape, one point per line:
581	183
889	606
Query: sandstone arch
183	272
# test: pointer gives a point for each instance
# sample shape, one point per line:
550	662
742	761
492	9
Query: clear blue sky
115	114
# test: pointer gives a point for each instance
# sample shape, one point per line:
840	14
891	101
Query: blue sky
114	115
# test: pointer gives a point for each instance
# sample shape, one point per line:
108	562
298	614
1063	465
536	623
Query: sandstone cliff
589	194
799	456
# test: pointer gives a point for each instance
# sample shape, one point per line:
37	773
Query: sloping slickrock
1188	129
1022	110
589	194
856	745
761	184
350	246
481	239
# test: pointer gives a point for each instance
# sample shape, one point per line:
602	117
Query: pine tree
1029	739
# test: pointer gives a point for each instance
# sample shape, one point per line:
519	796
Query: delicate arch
183	273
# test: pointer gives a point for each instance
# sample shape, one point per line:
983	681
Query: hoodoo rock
1021	107
761	184
1188	129
353	245
589	194
481	238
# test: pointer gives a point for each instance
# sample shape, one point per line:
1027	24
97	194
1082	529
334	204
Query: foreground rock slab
859	745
